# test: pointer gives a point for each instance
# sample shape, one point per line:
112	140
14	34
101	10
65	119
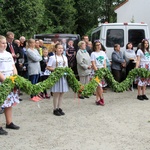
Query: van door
113	35
135	34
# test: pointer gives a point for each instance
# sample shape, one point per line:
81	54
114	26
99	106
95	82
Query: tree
107	10
23	17
88	11
91	12
61	15
3	19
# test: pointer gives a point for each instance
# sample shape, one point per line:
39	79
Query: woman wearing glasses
98	59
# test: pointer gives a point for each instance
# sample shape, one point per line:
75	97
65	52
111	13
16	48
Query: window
114	36
136	36
95	36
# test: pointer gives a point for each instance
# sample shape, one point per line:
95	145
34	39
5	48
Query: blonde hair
80	43
2	37
29	42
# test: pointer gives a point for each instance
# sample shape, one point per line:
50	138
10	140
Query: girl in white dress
7	68
98	59
58	60
143	61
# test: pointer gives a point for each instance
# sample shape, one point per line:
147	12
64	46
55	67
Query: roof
121	4
118	24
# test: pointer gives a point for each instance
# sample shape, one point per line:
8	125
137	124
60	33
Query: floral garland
26	86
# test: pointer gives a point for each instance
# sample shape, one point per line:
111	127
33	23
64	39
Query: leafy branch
88	89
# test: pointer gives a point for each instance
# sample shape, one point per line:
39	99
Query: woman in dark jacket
117	63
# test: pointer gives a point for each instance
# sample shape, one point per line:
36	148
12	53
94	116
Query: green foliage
88	12
5	89
72	81
28	17
62	15
26	86
90	88
23	17
107	11
3	19
92	12
76	86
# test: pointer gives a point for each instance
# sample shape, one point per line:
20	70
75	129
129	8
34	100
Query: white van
120	33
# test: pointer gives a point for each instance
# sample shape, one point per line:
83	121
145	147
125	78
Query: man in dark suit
13	49
11	46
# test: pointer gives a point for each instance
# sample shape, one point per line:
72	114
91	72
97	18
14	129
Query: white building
134	11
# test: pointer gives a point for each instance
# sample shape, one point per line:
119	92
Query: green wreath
26	86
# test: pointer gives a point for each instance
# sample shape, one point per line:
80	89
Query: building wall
137	10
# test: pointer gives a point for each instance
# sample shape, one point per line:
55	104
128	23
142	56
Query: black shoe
56	112
140	97
3	132
20	99
86	97
81	97
145	97
12	126
61	111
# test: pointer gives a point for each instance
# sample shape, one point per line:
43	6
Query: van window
136	36
114	36
96	35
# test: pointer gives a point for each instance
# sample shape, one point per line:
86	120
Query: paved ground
122	124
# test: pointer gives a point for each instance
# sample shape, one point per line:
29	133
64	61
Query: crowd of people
33	61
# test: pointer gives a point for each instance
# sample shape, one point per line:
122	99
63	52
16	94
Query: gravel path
122	124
